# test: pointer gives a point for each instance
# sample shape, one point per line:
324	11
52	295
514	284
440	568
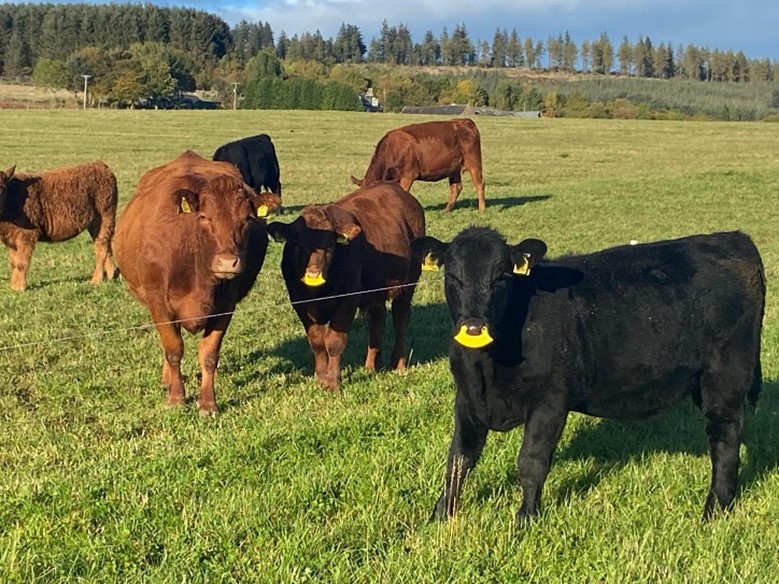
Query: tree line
133	52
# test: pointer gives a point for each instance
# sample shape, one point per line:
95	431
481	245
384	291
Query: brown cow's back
429	151
388	215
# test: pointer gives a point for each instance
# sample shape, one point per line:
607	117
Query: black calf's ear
430	252
527	254
9	173
279	232
187	201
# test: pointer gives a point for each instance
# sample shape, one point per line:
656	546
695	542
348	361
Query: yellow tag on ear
262	211
522	269
185	208
342	239
429	264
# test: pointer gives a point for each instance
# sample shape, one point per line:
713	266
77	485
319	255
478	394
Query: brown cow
190	246
57	205
430	151
333	252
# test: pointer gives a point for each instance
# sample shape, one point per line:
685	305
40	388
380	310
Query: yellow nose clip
477	341
313	281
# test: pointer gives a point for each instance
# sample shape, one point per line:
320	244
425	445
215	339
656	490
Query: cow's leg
208	356
478	183
375	317
474	169
723	402
101	230
467	445
724	434
335	342
316	340
405	183
401	313
21	256
455	187
543	427
172	351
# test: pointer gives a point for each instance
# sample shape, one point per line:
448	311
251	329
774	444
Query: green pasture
101	482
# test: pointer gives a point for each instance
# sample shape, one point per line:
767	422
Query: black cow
622	333
255	157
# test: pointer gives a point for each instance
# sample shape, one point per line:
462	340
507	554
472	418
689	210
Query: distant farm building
466	110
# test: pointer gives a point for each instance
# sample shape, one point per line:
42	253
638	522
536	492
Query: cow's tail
357	181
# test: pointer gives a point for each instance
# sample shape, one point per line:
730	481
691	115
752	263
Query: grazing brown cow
190	246
333	252
430	151
57	205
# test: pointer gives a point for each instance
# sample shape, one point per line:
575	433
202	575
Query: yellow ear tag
185	208
429	264
522	269
315	281
473	341
342	239
262	211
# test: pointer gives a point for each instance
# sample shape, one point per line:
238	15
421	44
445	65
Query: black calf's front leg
467	444
542	432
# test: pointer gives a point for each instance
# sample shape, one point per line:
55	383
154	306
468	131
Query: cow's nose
226	266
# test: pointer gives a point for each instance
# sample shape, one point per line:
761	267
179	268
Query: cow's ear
10	172
430	252
187	201
347	232
264	204
527	254
279	232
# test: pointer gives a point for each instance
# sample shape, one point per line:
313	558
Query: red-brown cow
333	253
57	205
190	246
430	151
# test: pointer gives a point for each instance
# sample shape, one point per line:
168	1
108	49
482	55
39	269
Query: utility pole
86	77
235	95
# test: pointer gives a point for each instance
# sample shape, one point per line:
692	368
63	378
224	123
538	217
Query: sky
751	26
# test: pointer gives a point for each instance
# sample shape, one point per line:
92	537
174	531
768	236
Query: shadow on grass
610	445
502	202
40	284
290	211
427	339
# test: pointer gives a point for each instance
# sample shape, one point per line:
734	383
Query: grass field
101	482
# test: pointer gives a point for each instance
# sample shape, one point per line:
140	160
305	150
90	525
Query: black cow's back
255	157
632	328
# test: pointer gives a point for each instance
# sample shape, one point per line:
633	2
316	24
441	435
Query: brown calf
333	252
430	151
190	245
55	206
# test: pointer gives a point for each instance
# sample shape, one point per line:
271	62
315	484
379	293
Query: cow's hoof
176	401
207	410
